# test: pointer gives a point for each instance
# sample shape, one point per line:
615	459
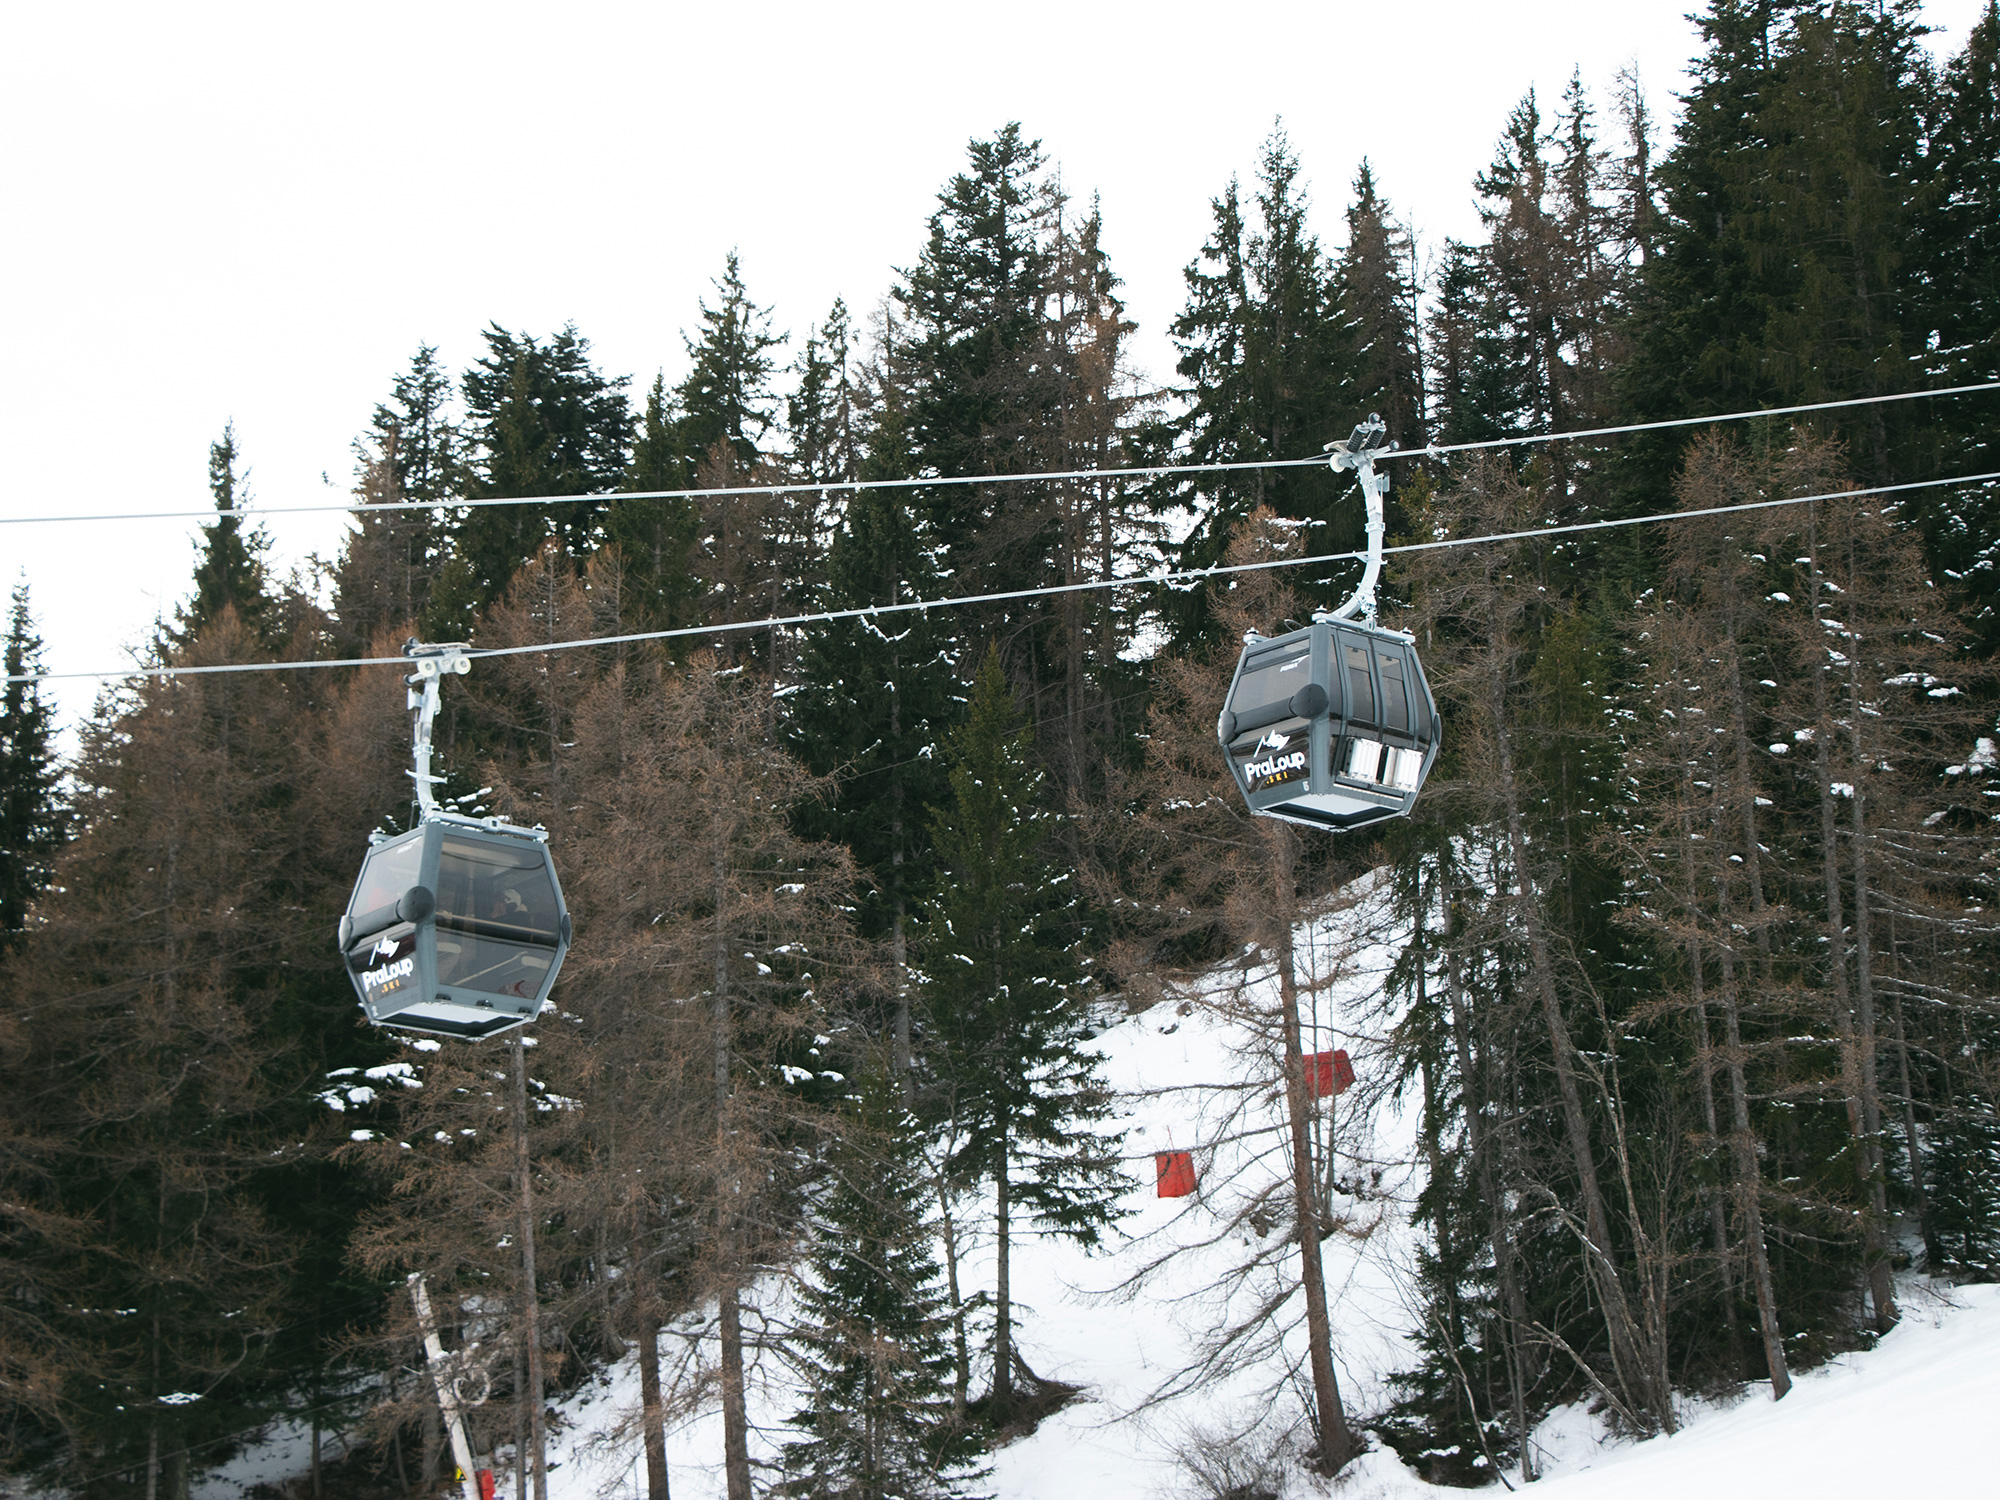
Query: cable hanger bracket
433	663
1357	453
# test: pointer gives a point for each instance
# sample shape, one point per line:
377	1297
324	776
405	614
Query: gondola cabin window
388	872
496	918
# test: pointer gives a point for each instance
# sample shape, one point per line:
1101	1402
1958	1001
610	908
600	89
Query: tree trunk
1911	1145
1864	955
1874	1251
1003	1301
521	1469
652	1423
1336	1443
900	952
1705	1067
735	1418
1705	1072
1513	1306
1750	1186
531	1300
1746	778
735	1423
961	1370
898	939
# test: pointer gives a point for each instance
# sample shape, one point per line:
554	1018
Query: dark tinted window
499	890
1360	695
385	875
1395	696
492	966
1272	679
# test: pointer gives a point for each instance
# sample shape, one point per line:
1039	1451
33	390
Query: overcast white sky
257	212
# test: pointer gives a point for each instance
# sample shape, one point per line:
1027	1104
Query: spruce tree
231	572
873	1345
1009	361
1269	365
758	553
968	354
412	454
972	302
656	538
34	815
875	697
1375	283
1473	394
1786	268
544	421
1964	266
726	395
822	414
1019	1096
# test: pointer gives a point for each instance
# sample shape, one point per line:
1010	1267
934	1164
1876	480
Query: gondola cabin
456	929
1332	726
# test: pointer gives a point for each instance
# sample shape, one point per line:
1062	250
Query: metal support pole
443	1375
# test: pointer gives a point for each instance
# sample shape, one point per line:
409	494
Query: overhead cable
1439	450
961	601
1047	476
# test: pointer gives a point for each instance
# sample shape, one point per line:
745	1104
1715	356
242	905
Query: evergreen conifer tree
33	813
1010	362
1375	283
544	421
822	414
412	454
1019	1095
875	696
874	1344
972	302
1270	367
1784	268
1965	271
1472	390
726	395
656	537
231	573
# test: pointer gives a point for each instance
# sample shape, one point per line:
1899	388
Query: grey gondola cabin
1332	726
456	929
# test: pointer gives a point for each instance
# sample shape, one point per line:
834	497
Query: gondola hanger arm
1357	453
432	663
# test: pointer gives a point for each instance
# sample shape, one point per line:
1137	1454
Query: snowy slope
1195	1073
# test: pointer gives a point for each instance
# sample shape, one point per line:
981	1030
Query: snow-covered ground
1194	1073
